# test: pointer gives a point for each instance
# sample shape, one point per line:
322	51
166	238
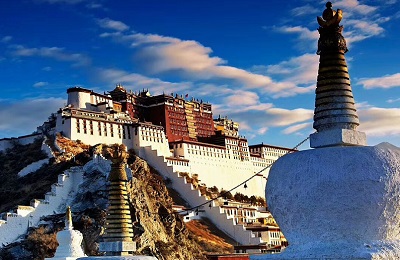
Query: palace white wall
217	167
7	143
79	99
144	135
93	134
86	99
16	224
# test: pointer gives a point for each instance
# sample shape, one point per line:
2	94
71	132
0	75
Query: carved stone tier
118	221
117	238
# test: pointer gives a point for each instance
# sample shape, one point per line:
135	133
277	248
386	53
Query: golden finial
330	17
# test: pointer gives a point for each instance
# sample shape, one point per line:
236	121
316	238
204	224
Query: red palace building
181	118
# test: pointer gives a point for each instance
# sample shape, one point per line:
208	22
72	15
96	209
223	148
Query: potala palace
178	137
181	131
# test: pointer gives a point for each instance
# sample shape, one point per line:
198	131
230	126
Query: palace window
78	128
91	126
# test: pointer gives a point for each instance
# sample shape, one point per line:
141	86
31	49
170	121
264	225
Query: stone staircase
193	196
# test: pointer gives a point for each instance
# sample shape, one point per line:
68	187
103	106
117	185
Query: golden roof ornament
118	159
331	38
330	17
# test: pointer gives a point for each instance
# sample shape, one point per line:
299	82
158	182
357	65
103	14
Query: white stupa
342	199
69	240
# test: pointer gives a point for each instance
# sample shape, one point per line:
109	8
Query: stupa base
337	203
369	251
337	137
117	248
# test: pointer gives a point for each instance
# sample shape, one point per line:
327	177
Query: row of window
99	99
153	139
176	109
205	148
234	212
103	128
243	149
196	152
274	234
204	132
178	162
177	127
269	149
179	133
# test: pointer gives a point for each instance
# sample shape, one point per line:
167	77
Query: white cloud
388	81
242	98
393	100
360	30
40	84
306	38
6	39
304	10
303	32
253	114
47	68
296	128
156	86
185	55
361	21
94	5
382	122
262	130
354	6
160	54
300	70
107	23
17	121
53	53
285	117
297	75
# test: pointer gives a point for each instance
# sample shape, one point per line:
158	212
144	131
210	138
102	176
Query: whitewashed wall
24	140
68	126
217	167
16	224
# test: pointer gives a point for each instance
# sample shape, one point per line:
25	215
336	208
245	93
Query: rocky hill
158	230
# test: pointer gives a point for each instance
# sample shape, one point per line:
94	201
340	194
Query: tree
238	197
253	200
226	194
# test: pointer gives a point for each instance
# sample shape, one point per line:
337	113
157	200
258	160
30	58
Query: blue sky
253	60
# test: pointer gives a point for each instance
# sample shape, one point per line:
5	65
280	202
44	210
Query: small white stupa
342	199
69	240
